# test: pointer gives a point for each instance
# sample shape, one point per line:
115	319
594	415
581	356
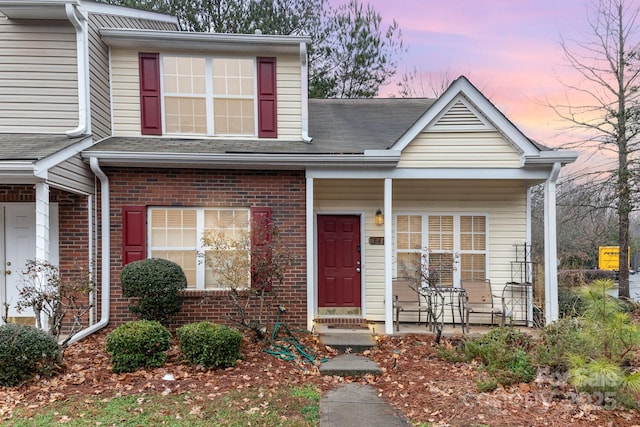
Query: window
176	234
448	248
208	95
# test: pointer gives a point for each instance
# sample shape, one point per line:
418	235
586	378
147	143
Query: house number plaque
376	240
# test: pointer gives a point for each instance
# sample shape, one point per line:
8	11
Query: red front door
339	265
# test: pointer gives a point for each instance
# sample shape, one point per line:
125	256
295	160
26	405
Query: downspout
106	251
304	71
79	22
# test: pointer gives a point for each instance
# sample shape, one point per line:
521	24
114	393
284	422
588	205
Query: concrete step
347	341
350	365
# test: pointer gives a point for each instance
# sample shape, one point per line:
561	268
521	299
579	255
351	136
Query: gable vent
460	117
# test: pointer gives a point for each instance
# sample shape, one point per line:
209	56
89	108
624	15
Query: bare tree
608	67
423	84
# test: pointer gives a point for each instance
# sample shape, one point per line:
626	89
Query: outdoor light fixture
379	218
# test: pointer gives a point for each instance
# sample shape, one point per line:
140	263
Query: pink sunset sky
509	49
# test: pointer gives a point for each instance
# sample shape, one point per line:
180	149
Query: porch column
311	260
42	221
388	256
550	247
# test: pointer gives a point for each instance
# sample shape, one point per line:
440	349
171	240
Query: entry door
19	245
339	266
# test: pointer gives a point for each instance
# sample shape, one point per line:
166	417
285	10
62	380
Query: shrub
209	344
138	344
503	352
578	278
562	338
570	302
24	352
156	285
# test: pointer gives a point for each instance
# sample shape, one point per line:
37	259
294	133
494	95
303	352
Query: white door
17	245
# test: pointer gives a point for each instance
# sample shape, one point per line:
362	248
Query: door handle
358	270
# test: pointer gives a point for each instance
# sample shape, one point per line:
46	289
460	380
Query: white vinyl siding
459	150
126	94
73	173
503	203
38	77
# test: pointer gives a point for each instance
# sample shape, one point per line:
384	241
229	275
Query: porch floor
416	328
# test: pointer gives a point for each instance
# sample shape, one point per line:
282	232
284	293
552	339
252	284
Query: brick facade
282	191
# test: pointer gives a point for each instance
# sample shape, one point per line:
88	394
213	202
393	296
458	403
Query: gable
460	136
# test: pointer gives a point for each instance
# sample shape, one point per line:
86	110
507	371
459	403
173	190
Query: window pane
185	259
440	270
227	235
185	115
234	117
472	267
408	265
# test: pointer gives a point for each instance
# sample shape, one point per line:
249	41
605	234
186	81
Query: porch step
347	340
350	365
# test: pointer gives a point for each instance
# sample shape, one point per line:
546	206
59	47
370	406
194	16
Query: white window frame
199	248
209	95
456	239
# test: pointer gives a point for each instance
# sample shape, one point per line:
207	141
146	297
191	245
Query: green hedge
210	345
155	284
138	344
24	352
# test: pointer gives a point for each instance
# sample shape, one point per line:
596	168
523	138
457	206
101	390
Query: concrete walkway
354	404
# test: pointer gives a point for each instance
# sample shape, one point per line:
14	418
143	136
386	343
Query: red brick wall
283	191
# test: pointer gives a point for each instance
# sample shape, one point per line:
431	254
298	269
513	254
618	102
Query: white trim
311	263
203	42
42	222
42	166
388	256
538	174
551	248
234	160
107	9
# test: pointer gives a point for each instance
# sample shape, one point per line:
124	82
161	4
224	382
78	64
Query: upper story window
209	96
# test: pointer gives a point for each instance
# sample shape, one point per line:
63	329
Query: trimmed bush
24	352
155	284
210	345
138	344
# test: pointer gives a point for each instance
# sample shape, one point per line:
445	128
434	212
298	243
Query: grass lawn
288	406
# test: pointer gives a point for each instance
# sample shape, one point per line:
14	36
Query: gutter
106	251
79	22
227	160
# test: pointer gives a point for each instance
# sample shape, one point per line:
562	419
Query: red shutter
267	102
150	110
134	234
260	250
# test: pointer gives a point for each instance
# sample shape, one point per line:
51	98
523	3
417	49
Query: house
158	134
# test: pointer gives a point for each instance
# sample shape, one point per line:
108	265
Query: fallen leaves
426	388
